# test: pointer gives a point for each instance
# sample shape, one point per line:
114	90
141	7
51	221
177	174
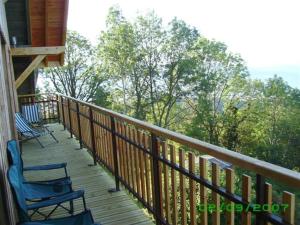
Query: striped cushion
31	113
25	129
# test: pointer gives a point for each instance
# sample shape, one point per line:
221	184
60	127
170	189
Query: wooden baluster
246	195
230	188
79	124
203	191
63	111
174	186
128	146
132	160
120	149
150	169
215	196
70	119
126	169
147	168
268	199
142	165
260	195
57	109
289	214
166	183
137	164
160	171
192	187
182	188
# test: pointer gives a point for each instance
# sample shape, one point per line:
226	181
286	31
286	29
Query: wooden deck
107	208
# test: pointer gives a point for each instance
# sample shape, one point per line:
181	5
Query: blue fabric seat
39	190
84	218
20	191
16	159
29	132
33	190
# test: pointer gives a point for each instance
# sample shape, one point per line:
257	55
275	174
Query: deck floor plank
107	208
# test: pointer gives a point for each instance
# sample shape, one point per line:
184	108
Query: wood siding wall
8	105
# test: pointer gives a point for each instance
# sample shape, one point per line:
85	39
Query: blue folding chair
39	190
16	159
31	113
29	132
21	193
84	218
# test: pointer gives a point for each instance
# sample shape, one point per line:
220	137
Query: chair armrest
57	200
53	181
46	167
65	181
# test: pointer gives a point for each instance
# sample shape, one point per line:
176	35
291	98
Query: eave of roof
48	26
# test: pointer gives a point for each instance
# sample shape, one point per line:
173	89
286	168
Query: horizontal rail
266	169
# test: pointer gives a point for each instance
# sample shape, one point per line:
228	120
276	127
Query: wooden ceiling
48	25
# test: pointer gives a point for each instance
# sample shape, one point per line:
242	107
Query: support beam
33	65
64	30
46	29
31	51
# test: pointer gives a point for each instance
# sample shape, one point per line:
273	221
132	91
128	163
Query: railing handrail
269	170
32	95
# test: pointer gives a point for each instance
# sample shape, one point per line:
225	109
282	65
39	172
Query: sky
264	32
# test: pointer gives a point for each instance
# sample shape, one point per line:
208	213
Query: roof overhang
47	21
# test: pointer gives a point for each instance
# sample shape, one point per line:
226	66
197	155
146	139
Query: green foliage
175	78
79	77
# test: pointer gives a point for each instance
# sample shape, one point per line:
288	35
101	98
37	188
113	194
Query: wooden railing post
57	109
70	120
79	125
115	155
157	185
260	197
92	134
63	111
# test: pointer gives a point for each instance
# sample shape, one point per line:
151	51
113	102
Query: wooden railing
47	104
170	175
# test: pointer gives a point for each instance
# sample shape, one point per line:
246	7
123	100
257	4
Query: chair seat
84	218
35	133
39	191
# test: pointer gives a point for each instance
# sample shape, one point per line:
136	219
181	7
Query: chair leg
71	207
36	138
53	137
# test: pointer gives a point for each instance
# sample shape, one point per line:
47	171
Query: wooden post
57	109
70	121
63	111
156	184
92	135
115	155
79	125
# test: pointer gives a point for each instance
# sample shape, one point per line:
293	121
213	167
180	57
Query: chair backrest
14	178
31	113
15	155
22	124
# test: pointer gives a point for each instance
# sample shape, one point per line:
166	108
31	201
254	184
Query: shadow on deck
107	208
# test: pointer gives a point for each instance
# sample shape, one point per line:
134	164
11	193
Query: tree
216	100
116	53
176	73
79	77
